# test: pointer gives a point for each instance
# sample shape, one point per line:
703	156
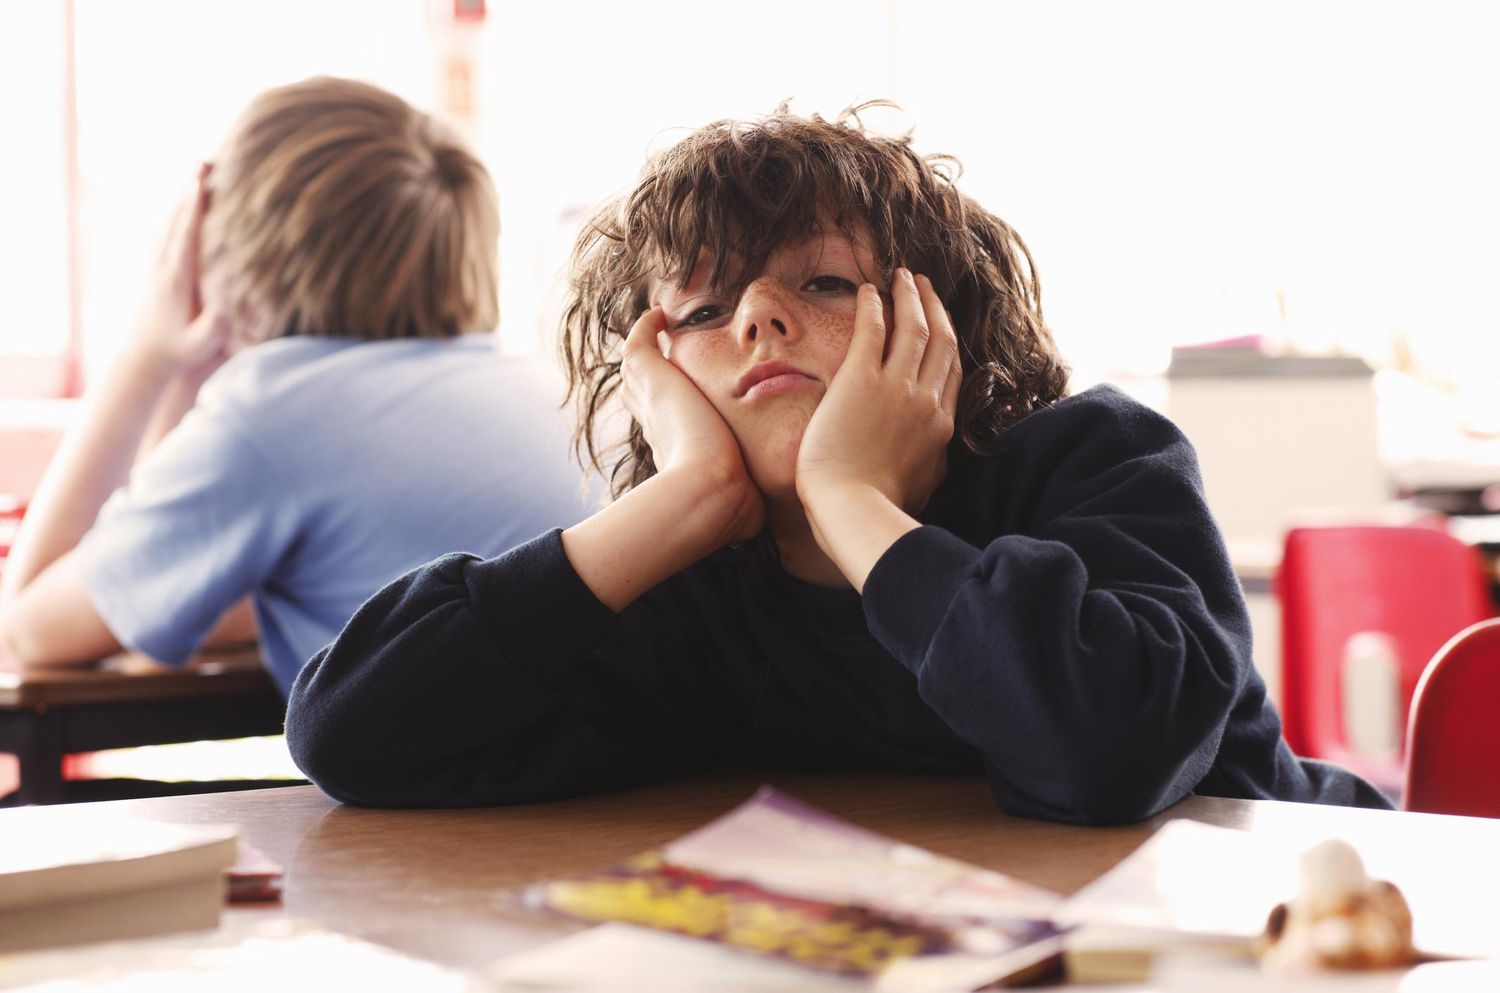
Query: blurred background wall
1310	178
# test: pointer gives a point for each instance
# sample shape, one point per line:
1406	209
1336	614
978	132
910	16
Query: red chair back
1415	585
1453	738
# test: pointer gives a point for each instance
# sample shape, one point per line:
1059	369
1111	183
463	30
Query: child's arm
1094	656
510	680
1081	625
874	451
1096	648
473	682
700	500
46	615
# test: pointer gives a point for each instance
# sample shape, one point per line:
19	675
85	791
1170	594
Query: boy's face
765	360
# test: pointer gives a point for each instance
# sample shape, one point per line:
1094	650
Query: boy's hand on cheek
886	420
875	448
174	332
689	439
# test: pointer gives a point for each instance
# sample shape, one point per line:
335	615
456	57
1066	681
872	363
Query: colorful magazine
779	878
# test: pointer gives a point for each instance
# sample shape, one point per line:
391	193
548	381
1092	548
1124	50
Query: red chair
1453	739
1406	589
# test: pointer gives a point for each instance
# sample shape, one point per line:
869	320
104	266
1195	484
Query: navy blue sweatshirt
1065	622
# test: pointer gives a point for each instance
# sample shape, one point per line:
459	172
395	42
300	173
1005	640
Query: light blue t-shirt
311	472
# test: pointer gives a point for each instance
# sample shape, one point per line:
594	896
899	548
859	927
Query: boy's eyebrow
669	283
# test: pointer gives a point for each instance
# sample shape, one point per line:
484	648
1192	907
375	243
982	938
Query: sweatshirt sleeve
459	684
1094	653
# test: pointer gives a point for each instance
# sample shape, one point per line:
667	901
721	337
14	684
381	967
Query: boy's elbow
1141	759
47	628
1111	781
326	754
346	751
1138	768
1116	796
25	644
9	650
1094	797
328	766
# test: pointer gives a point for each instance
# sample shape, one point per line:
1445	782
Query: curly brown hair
733	192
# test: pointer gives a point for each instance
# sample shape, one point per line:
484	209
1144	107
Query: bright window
33	204
158	83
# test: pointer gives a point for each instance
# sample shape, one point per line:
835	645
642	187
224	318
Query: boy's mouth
768	377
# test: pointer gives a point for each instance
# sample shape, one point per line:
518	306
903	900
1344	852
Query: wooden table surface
430	883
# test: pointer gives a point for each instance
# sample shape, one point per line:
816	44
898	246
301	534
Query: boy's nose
774	324
763	312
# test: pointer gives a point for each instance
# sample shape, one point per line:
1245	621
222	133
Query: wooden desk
426	882
124	702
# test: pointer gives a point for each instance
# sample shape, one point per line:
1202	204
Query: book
626	958
1190	888
779	879
254	877
1099	953
1190	879
246	953
125	878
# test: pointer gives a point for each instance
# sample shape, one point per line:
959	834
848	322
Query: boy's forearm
855	525
652	533
178	396
94	460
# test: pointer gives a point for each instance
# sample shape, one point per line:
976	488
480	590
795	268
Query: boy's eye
702	316
830	284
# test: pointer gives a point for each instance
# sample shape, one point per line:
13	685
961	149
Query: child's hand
684	430
174	329
887	418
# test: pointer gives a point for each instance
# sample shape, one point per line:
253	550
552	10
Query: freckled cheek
708	360
829	335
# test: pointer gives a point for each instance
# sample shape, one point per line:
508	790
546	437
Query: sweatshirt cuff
909	591
533	604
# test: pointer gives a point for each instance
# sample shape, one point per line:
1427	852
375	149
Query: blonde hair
339	209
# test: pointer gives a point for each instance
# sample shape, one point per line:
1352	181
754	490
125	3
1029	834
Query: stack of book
127	879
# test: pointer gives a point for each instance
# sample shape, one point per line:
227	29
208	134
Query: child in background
309	407
857	525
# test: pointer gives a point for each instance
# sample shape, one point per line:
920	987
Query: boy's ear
248	326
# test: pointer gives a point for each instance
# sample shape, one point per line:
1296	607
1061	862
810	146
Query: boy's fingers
942	345
641	342
911	332
867	346
212	324
176	228
638	369
951	385
193	250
